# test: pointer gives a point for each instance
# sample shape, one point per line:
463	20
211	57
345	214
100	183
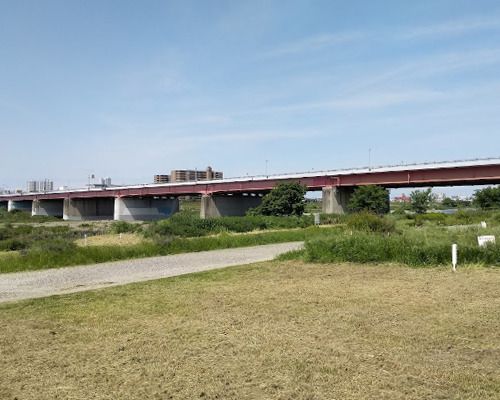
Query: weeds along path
28	285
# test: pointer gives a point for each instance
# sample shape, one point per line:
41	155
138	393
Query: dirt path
27	285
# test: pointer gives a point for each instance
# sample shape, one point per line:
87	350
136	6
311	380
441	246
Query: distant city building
189	175
162	179
439	197
105	182
40	186
402	199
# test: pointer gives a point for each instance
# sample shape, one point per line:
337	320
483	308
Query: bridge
235	196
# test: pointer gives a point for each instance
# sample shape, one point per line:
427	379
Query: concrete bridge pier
88	209
21	205
144	209
227	205
49	208
336	199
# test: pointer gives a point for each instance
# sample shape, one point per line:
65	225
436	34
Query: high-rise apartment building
162	179
189	175
40	186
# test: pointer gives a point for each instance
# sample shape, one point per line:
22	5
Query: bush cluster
365	221
284	200
23	216
371	198
124	227
188	225
26	237
434	218
461	217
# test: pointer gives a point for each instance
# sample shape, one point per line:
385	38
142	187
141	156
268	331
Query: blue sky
129	89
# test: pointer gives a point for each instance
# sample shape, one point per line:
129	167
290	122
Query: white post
317	218
85	236
454	257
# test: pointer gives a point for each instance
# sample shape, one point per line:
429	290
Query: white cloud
314	43
427	67
386	99
445	28
369	100
245	136
451	28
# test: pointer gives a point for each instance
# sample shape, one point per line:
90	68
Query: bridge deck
456	173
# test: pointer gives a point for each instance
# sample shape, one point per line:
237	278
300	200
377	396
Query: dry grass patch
6	254
121	239
280	330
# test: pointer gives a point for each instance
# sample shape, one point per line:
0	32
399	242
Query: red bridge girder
396	178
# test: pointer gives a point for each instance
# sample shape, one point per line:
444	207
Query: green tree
420	200
370	198
449	203
488	197
284	199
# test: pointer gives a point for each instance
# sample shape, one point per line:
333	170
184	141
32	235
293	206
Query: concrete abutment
144	209
225	206
20	205
48	208
83	209
336	199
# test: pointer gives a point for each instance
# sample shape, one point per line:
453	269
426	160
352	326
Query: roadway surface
35	284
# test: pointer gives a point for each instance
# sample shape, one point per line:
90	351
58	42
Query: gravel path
27	285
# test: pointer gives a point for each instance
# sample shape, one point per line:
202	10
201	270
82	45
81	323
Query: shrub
420	200
436	218
284	199
368	222
123	227
487	198
374	199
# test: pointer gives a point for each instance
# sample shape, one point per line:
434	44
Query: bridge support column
50	208
21	205
101	208
336	199
225	206
144	209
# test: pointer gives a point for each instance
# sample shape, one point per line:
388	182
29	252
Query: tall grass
415	251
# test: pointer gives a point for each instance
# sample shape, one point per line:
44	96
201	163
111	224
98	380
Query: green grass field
278	330
62	253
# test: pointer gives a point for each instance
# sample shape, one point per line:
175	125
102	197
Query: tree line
289	199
